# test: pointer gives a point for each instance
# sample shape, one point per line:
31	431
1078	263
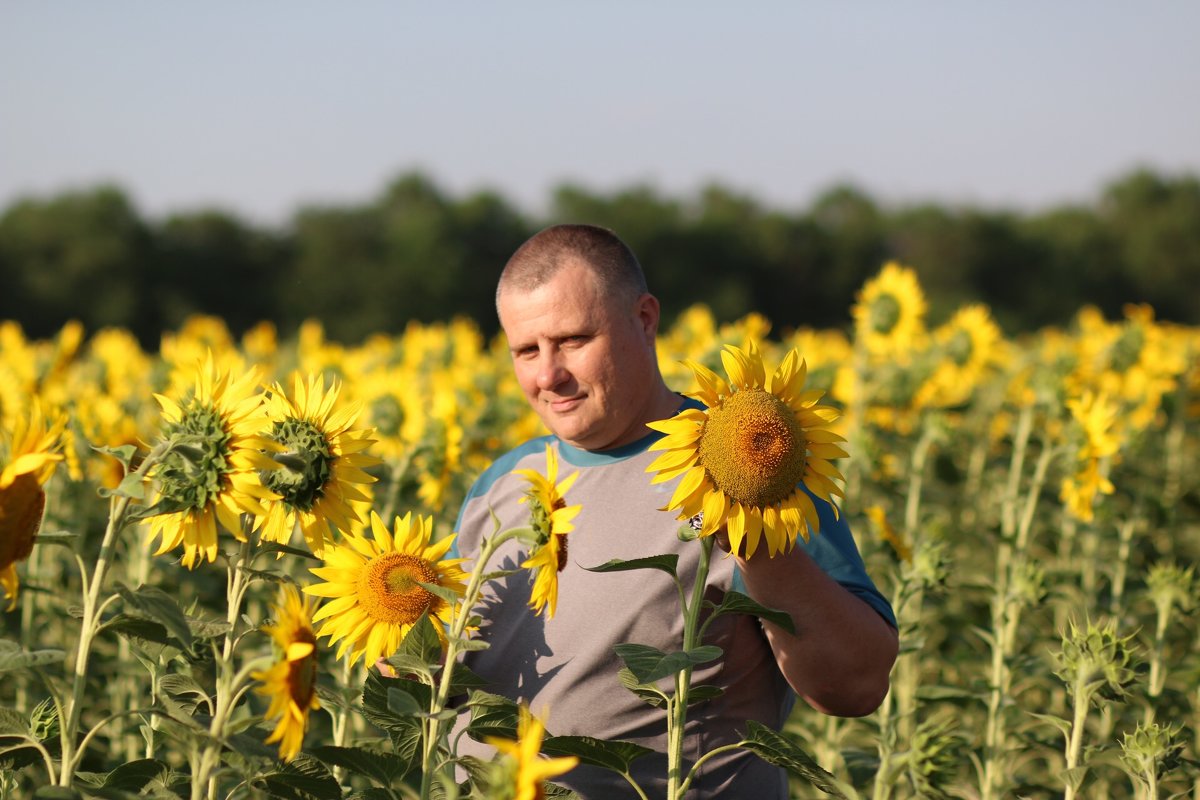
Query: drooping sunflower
889	317
292	682
211	475
320	460
550	517
375	586
523	772
29	464
745	459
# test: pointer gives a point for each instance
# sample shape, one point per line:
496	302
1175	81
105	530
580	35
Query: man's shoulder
507	463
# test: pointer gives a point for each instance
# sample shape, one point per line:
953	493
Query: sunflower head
291	682
520	772
551	520
318	461
749	461
889	315
210	471
29	461
375	586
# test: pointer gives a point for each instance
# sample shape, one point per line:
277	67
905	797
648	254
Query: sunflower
888	534
1095	417
747	458
967	345
210	475
890	312
523	772
320	461
291	683
550	517
30	464
376	586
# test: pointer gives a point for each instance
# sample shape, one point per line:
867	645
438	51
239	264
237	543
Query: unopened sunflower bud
1152	751
1171	586
1095	658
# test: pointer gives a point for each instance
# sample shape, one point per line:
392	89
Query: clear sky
261	107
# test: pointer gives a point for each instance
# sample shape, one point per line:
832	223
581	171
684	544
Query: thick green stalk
89	626
1079	698
1124	543
236	584
432	727
908	666
677	708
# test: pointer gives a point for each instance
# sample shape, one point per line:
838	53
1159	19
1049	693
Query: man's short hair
596	248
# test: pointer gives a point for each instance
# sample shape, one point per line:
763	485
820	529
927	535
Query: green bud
1098	660
1151	751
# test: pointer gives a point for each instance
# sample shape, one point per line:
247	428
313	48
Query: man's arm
842	652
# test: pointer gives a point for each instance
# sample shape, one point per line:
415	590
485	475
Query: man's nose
551	372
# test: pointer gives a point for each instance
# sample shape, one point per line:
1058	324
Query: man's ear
648	312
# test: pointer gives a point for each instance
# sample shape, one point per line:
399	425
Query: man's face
585	362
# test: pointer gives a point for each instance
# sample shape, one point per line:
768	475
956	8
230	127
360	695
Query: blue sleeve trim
499	468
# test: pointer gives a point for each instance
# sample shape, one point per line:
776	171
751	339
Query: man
581	327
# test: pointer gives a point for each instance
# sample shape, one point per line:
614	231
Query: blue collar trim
579	457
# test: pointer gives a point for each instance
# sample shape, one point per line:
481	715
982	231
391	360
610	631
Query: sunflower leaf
276	547
56	793
165	505
782	752
161	607
649	664
124	453
269	575
702	694
304	778
402	703
491	715
132	486
650	693
667	563
133	776
407	666
15	658
382	768
445	593
464	680
404	731
422	642
738	603
617	756
13	723
138	628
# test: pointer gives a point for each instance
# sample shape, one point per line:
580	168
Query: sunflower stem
89	625
227	682
432	727
677	706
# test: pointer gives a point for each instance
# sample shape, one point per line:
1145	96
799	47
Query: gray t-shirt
565	667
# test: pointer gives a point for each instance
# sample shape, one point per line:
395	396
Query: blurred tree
82	255
415	253
210	262
1156	223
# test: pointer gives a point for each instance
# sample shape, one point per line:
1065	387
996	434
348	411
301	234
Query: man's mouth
560	404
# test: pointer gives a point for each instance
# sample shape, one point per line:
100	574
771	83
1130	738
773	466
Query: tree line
417	253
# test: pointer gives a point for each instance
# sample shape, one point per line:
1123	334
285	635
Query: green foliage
415	253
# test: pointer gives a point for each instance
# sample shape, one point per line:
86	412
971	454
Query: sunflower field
187	536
